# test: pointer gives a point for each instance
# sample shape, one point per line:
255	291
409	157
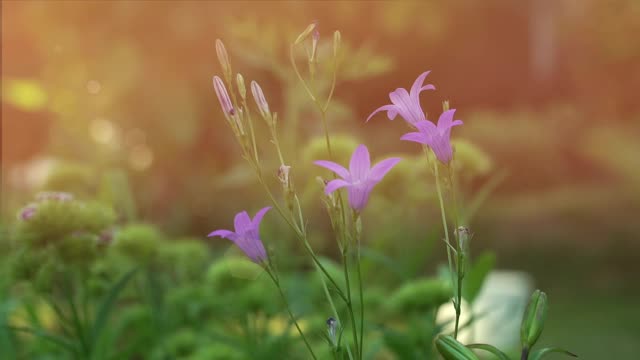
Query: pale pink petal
379	170
417	85
427	127
415	137
334	185
336	168
360	163
445	120
390	109
223	233
407	108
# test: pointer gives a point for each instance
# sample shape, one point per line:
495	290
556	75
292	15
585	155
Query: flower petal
227	234
336	168
242	223
252	247
390	109
360	164
417	87
379	170
255	223
334	185
418	137
445	120
359	196
407	108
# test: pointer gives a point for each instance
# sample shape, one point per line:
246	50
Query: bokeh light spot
94	87
24	94
140	157
102	131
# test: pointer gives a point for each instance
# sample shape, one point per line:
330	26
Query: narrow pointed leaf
539	354
102	313
490	348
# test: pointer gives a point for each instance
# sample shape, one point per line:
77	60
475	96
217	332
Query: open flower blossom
438	138
360	178
407	104
247	235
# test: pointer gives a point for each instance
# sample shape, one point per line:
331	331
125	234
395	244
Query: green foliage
420	295
137	242
474	278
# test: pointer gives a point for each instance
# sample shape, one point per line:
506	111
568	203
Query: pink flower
247	235
407	104
360	178
438	138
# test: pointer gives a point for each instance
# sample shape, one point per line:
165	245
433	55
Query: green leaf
490	348
102	312
451	349
62	342
539	354
477	274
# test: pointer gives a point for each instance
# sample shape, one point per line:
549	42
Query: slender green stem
253	136
357	241
444	219
354	329
461	258
293	318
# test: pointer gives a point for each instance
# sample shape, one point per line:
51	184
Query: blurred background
114	101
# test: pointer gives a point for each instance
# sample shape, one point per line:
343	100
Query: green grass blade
103	311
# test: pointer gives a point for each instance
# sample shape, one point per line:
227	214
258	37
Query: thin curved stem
354	329
293	318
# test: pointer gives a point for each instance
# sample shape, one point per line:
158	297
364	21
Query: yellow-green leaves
451	349
533	320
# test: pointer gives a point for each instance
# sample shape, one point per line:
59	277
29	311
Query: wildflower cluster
346	214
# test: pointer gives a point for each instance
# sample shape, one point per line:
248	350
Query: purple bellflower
407	104
360	178
438	138
247	235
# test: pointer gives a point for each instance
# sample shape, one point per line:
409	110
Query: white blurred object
498	310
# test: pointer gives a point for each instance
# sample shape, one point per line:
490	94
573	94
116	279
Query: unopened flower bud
332	326
533	319
315	38
451	349
261	102
241	88
223	97
337	39
223	58
283	175
305	34
464	236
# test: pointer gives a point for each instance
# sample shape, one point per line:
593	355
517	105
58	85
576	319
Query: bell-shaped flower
438	138
247	235
360	178
407	104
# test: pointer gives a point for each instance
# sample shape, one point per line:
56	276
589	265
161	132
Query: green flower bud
451	349
337	39
533	320
223	58
305	34
241	88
